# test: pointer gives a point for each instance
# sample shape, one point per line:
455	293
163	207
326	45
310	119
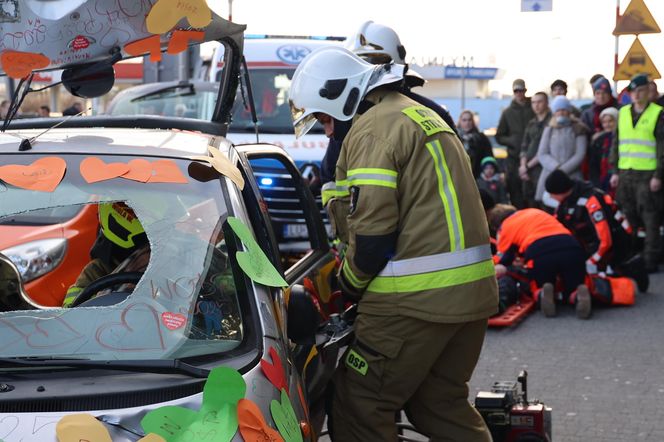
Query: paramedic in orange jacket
549	251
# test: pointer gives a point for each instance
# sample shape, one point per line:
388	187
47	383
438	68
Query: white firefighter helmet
333	81
375	43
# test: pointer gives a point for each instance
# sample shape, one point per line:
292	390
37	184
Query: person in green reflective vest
637	159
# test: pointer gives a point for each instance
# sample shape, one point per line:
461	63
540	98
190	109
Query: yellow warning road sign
637	61
636	19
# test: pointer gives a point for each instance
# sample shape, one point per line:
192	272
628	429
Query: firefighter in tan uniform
417	258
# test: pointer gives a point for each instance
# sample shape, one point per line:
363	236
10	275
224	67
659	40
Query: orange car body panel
80	232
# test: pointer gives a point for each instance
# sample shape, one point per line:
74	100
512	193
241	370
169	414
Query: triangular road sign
636	19
637	61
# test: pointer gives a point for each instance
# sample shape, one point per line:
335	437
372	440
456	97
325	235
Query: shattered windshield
156	275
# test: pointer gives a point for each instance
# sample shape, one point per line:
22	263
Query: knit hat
559	103
637	81
612	111
558	182
602	84
488	160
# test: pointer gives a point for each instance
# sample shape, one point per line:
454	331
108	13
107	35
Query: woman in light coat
563	144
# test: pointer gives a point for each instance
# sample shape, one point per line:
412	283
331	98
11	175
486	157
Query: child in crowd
491	181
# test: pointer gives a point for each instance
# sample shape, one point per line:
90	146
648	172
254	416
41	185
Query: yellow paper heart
223	165
167	13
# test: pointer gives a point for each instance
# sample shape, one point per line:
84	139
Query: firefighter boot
583	302
547	301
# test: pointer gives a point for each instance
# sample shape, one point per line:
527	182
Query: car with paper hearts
190	319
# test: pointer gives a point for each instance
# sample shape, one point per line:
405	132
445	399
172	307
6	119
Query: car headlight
36	258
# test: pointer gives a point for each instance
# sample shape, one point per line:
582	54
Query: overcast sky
573	42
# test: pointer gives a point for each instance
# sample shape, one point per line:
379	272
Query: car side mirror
88	81
303	318
12	293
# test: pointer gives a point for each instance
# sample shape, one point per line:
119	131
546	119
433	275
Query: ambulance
271	61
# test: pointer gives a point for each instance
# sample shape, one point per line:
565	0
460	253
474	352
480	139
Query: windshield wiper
138	365
182	85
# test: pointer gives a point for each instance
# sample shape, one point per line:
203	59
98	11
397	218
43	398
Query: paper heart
216	421
81	427
138	321
43	174
149	45
223	165
20	64
173	321
285	418
167	13
139	170
7	426
160	171
180	40
252	423
253	261
275	371
93	169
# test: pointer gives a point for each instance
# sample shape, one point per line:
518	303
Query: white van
272	61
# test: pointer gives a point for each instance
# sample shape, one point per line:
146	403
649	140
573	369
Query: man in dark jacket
511	128
530	168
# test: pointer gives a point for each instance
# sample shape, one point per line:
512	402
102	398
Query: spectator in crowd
599	150
637	157
530	168
44	111
511	128
491	181
549	251
559	87
593	79
4	108
603	98
654	94
477	144
595	220
563	144
74	109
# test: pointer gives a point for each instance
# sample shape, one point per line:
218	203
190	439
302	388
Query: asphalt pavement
603	377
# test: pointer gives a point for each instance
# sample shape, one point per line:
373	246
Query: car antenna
250	96
26	143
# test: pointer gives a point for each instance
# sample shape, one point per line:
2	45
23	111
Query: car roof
120	141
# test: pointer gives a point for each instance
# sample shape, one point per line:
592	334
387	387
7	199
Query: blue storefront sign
470	72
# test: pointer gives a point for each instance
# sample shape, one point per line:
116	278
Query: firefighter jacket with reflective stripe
418	241
594	219
637	145
523	228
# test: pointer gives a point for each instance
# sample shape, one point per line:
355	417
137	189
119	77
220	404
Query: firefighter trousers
405	363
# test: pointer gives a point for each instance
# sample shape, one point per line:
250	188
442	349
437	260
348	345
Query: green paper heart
253	261
216	421
285	418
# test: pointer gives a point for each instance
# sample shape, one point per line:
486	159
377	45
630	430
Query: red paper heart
20	64
43	175
173	321
125	337
275	371
94	169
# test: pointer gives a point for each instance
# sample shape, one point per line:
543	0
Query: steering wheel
106	282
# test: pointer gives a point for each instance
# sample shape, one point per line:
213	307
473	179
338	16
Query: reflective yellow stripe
448	196
331	190
433	280
427	119
71	294
372	177
352	278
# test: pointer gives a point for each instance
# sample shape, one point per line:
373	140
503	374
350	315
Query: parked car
211	298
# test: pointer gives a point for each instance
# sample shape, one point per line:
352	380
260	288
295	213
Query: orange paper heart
167	13
43	175
160	171
252	423
94	169
21	64
180	39
149	45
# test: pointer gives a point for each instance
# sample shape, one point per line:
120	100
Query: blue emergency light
267	181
